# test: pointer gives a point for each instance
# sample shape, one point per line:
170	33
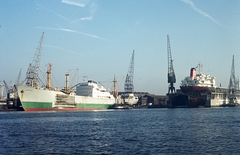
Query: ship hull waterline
33	99
63	109
31	106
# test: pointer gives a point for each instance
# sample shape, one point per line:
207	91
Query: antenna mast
129	78
171	74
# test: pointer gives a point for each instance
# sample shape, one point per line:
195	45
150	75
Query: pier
10	105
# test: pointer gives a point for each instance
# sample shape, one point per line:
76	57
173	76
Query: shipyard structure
196	90
200	90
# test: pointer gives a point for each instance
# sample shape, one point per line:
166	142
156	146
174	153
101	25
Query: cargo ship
87	96
198	82
202	90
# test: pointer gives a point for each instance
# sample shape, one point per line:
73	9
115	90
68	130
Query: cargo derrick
18	78
32	72
171	74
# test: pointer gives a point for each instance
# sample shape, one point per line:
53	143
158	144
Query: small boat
120	106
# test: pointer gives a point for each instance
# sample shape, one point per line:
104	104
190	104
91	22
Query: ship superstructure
198	82
91	89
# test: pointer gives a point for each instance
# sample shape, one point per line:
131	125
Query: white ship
88	96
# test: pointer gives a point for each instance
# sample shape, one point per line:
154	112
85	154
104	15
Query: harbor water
133	131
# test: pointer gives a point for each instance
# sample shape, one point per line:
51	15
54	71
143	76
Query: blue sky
98	37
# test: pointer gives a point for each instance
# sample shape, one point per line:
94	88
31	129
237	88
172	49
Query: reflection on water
145	131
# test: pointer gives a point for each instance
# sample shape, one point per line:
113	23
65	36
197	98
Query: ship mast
49	73
67	77
115	93
199	68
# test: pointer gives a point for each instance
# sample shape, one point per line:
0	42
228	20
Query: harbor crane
128	87
171	74
232	87
32	72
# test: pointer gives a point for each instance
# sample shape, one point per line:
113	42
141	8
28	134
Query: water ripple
146	131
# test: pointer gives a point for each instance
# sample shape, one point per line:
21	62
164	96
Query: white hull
39	98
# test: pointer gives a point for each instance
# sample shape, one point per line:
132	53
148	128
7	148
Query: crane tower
232	87
128	87
32	72
171	74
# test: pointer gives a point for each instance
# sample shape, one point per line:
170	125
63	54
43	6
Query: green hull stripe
99	106
37	104
49	105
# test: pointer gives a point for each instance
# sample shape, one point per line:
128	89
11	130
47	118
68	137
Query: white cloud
73	2
73	31
81	19
93	7
86	34
200	11
87	18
